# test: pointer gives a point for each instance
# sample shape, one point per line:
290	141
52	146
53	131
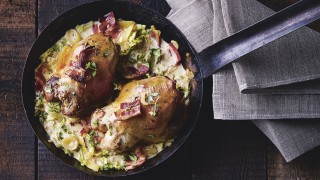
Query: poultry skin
141	113
84	75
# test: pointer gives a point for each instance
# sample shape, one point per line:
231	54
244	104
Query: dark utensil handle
231	48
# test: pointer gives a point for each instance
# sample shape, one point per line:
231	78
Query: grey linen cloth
279	63
291	137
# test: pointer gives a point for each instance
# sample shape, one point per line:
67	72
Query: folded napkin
279	63
292	137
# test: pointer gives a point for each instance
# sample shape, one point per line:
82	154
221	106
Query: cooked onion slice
70	143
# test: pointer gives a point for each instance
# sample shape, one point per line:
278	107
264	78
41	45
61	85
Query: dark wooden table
215	149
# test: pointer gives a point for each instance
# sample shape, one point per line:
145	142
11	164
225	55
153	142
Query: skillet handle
231	48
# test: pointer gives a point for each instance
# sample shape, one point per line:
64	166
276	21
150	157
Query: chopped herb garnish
132	157
89	141
110	130
60	136
88	65
55	107
64	128
93	133
93	67
157	55
95	122
94	73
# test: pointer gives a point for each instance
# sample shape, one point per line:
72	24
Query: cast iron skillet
207	62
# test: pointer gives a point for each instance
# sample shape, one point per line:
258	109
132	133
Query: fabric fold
279	63
291	137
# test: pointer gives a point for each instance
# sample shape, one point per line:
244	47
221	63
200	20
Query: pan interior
92	11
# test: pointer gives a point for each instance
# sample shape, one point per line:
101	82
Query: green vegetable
93	67
83	27
132	157
72	36
57	47
81	159
110	129
89	140
64	128
96	123
46	54
60	136
135	39
109	165
157	55
55	107
39	108
70	143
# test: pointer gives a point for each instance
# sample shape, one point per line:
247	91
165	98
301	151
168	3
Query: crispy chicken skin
141	113
85	75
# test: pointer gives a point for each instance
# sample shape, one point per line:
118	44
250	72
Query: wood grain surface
215	149
17	142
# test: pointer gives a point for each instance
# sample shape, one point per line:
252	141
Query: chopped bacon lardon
109	26
86	127
50	89
107	21
141	158
128	110
133	72
95	28
40	80
100	113
173	51
84	56
76	71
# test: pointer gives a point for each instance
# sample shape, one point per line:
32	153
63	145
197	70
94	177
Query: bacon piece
108	26
128	110
174	53
76	69
98	139
86	127
84	56
141	158
83	131
50	89
130	104
115	33
40	80
100	113
132	72
76	73
107	21
95	28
